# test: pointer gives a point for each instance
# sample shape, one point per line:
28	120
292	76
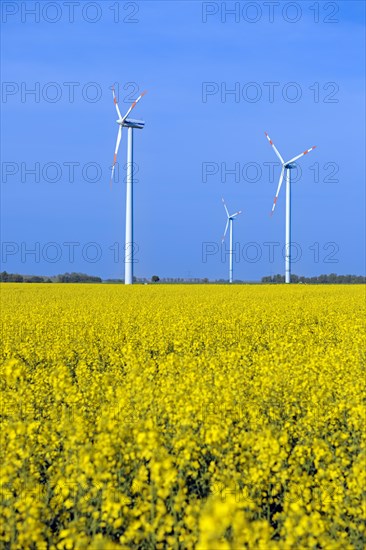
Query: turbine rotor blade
301	155
119	136
134	105
116	103
236	214
226	226
278	189
275	148
226	210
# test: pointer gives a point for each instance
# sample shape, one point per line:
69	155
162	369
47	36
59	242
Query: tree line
62	278
332	278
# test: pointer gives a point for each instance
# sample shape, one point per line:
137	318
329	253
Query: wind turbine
288	166
229	223
130	124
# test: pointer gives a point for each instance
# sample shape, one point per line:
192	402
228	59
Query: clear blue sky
312	50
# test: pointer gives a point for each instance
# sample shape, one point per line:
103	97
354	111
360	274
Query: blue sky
188	55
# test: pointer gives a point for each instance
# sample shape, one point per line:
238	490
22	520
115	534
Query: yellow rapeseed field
209	417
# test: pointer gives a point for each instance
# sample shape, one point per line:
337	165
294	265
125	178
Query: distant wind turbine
131	125
288	166
229	223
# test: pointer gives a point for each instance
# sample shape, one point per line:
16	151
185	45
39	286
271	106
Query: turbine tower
130	124
229	223
286	166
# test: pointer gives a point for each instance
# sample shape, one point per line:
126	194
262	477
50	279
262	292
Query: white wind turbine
288	166
131	125
229	223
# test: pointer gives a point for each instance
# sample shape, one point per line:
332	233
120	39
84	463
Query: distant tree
15	278
77	278
205	280
155	279
34	279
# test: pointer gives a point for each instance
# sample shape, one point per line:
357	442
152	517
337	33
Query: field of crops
208	417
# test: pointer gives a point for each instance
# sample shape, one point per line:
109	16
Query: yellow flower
145	418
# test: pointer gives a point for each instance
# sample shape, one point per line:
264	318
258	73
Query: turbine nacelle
131	123
290	166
